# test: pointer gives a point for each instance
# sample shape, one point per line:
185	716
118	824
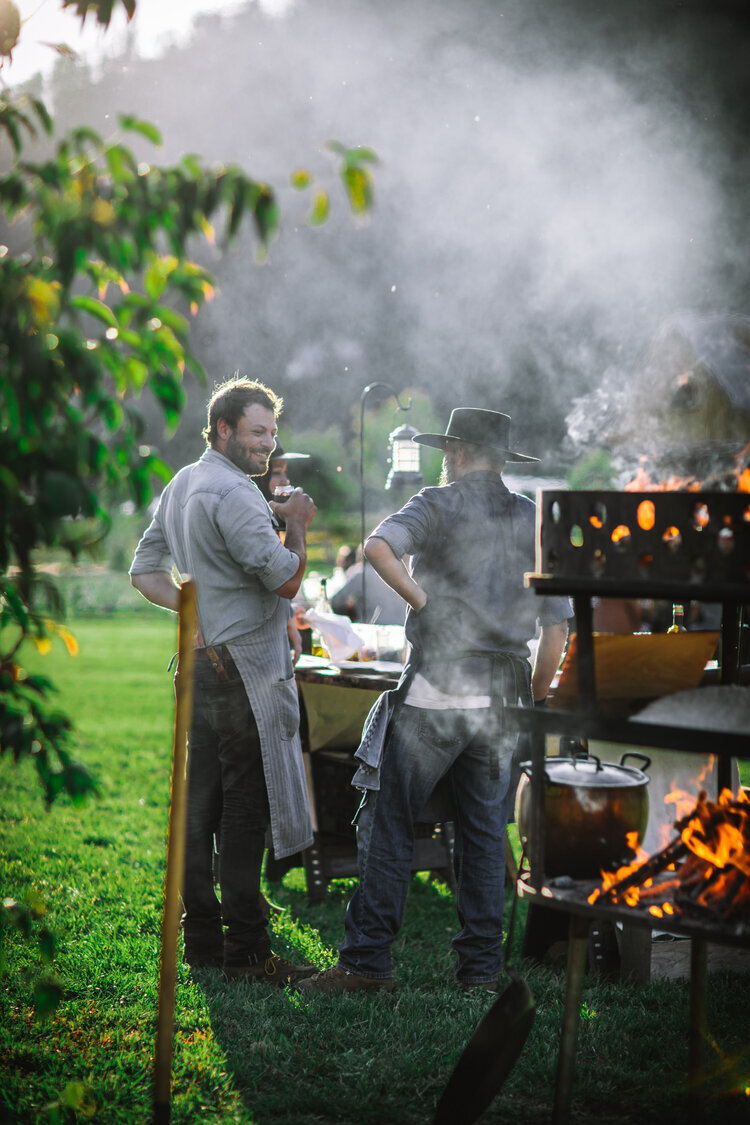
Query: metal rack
333	801
677	546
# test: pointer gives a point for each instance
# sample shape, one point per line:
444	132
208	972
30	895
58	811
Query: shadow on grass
385	1058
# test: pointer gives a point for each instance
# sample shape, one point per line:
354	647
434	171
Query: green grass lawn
254	1054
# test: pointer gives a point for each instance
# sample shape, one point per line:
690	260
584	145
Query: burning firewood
705	871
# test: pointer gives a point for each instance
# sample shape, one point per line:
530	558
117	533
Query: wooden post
175	856
577	949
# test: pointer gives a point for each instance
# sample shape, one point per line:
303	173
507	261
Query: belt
220	659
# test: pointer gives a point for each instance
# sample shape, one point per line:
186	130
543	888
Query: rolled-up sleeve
152	553
407	530
251	540
554	609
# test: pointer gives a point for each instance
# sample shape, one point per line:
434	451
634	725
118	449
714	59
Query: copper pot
591	810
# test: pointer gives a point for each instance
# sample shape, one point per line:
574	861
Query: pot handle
634	754
586	756
525	768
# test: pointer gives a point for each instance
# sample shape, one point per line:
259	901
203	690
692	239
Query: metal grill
626	542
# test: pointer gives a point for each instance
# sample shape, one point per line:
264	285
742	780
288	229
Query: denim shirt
213	523
471	544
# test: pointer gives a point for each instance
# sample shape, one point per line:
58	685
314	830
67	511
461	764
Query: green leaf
360	153
156	277
8	122
47	996
266	215
137	372
96	308
42	113
320	208
300	179
358	184
145	128
47	944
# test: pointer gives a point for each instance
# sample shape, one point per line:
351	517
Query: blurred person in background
346	557
383	604
469	624
275	475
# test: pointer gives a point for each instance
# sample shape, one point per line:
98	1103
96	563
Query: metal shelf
578	724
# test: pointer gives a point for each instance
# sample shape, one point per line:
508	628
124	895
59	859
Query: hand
295	640
299	506
432	628
300	620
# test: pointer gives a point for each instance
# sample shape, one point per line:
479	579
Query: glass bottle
678	619
322	605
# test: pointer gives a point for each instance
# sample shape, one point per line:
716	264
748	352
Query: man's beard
447	475
245	461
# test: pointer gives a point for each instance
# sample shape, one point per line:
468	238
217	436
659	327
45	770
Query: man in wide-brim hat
470	619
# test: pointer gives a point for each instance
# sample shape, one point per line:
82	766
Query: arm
297	513
157	587
548	654
295	640
392	570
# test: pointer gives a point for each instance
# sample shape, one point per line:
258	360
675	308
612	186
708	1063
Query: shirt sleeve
407	530
152	553
243	519
554	609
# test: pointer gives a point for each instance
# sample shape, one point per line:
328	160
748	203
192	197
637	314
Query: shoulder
214	473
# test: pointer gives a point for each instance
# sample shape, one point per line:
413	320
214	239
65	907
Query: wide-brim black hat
475	426
280	454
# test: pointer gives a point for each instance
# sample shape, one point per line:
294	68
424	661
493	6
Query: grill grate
632	540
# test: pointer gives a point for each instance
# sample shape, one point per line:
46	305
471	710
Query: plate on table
371	667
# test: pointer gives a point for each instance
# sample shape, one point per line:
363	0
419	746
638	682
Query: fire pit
680	546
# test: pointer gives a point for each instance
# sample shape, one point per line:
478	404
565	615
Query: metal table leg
577	950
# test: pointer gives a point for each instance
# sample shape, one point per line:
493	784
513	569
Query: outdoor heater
677	546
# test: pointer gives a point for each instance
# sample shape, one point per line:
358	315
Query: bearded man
245	767
469	624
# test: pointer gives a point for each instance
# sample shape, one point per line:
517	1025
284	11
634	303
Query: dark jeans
421	747
226	795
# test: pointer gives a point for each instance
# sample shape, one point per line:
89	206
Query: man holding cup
245	767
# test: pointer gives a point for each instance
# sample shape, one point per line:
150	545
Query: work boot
206	954
272	969
479	986
337	980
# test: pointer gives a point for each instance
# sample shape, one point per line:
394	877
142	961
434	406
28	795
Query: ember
702	874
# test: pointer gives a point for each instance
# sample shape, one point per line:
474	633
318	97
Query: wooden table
334	703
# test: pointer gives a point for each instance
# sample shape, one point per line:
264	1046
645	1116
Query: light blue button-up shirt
214	525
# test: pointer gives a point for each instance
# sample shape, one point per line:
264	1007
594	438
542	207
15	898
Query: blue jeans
226	796
421	747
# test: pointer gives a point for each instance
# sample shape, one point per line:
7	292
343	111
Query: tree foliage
94	311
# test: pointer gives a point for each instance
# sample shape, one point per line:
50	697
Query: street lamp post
405	469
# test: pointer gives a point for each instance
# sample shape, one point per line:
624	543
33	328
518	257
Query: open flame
703	872
737	479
